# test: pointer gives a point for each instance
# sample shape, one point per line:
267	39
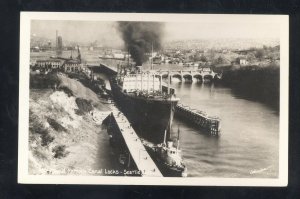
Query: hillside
65	132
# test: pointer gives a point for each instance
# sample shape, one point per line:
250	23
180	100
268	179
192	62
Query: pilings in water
210	125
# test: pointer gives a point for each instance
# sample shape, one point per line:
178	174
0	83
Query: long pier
140	156
211	125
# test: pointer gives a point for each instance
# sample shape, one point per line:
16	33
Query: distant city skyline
106	33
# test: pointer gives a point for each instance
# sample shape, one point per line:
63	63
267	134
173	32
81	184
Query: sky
107	33
221	30
81	31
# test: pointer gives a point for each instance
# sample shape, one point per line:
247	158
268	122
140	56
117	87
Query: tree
265	47
203	58
220	60
259	54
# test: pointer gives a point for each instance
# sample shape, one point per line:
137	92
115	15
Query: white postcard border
24	177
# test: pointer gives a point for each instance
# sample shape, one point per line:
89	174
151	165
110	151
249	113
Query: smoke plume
139	38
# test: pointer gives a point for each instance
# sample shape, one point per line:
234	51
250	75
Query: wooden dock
137	150
210	125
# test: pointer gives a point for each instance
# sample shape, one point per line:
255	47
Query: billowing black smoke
139	38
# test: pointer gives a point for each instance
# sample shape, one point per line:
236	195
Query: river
248	145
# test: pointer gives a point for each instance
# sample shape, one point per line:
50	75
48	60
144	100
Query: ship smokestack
138	37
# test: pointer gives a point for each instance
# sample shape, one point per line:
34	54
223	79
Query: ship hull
149	117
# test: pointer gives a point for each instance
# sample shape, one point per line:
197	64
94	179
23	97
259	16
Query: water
248	145
249	142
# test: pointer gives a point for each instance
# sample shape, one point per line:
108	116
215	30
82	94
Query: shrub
79	112
46	139
44	80
55	125
60	151
68	91
36	127
83	105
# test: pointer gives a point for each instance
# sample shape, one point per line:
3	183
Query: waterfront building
72	66
49	63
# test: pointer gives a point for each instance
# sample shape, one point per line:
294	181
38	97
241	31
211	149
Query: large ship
139	94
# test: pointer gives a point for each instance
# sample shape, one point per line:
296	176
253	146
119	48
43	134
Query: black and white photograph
153	99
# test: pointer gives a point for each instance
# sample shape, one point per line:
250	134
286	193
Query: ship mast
170	120
169	126
148	81
151	56
152	65
128	59
169	79
165	136
141	81
153	82
178	139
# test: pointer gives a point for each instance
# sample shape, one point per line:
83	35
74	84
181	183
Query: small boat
167	158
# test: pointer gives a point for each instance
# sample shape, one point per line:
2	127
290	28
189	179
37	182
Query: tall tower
56	40
59	44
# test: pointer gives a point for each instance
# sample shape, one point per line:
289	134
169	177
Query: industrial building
49	63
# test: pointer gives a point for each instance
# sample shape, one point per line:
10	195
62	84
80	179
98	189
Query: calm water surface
248	145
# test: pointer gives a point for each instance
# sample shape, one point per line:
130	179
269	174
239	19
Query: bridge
196	75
